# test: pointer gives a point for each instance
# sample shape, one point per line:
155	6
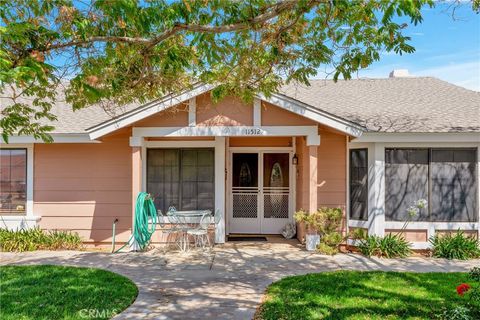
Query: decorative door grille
245	202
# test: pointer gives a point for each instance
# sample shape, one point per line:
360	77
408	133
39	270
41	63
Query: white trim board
57	138
315	114
400	137
226	131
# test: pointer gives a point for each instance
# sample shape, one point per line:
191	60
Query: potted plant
310	221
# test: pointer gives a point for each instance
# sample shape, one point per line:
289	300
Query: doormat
246	238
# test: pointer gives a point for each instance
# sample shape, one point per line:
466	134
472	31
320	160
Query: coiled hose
144	223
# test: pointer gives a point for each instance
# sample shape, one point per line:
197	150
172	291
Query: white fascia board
145	111
225	131
57	138
418	137
314	114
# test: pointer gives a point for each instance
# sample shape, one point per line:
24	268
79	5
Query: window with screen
406	181
359	184
183	178
447	178
13	181
454	187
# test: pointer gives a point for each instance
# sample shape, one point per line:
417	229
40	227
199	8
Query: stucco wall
84	187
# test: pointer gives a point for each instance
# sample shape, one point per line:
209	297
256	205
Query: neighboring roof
412	104
68	120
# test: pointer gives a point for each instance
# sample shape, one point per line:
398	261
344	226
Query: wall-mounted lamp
295	159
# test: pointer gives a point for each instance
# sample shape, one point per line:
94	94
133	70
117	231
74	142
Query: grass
57	292
362	295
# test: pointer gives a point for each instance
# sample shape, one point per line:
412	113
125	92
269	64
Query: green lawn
56	292
362	295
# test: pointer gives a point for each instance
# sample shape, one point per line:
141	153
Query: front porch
255	184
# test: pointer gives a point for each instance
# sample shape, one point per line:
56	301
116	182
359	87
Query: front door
260	192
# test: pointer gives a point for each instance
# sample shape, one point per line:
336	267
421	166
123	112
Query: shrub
457	313
475	274
390	246
326	222
329	220
369	246
37	239
457	246
358	234
329	243
470	293
394	246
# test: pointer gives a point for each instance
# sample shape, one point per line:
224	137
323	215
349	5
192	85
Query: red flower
461	289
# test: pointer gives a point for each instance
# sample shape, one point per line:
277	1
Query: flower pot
311	241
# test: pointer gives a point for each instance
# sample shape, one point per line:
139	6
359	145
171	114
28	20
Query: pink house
371	147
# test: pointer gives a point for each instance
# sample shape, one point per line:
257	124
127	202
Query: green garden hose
144	223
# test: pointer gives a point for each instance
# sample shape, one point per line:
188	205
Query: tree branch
273	12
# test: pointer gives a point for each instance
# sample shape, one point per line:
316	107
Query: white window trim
29	216
219	145
376	223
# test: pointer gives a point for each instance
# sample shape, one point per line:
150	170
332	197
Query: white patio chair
173	229
200	234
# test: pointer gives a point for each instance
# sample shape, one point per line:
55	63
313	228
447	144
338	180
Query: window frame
351	150
430	149
29	147
180	151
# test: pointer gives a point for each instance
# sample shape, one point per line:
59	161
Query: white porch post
376	192
220	188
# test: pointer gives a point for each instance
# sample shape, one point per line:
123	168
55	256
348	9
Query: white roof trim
418	137
57	138
145	111
317	115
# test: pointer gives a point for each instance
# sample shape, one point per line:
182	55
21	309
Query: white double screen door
260	195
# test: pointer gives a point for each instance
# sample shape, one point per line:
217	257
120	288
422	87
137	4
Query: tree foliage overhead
115	52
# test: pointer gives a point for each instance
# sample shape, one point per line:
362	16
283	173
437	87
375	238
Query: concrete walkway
228	283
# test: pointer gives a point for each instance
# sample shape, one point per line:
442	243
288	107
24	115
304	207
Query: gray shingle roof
414	104
68	120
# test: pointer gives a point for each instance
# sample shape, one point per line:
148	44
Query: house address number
253	132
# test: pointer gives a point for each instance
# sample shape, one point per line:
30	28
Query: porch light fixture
295	159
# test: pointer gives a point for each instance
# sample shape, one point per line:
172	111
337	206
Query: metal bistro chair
200	234
174	229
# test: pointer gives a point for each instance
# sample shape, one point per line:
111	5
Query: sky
446	47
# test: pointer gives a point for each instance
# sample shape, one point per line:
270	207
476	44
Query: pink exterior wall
84	187
229	111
